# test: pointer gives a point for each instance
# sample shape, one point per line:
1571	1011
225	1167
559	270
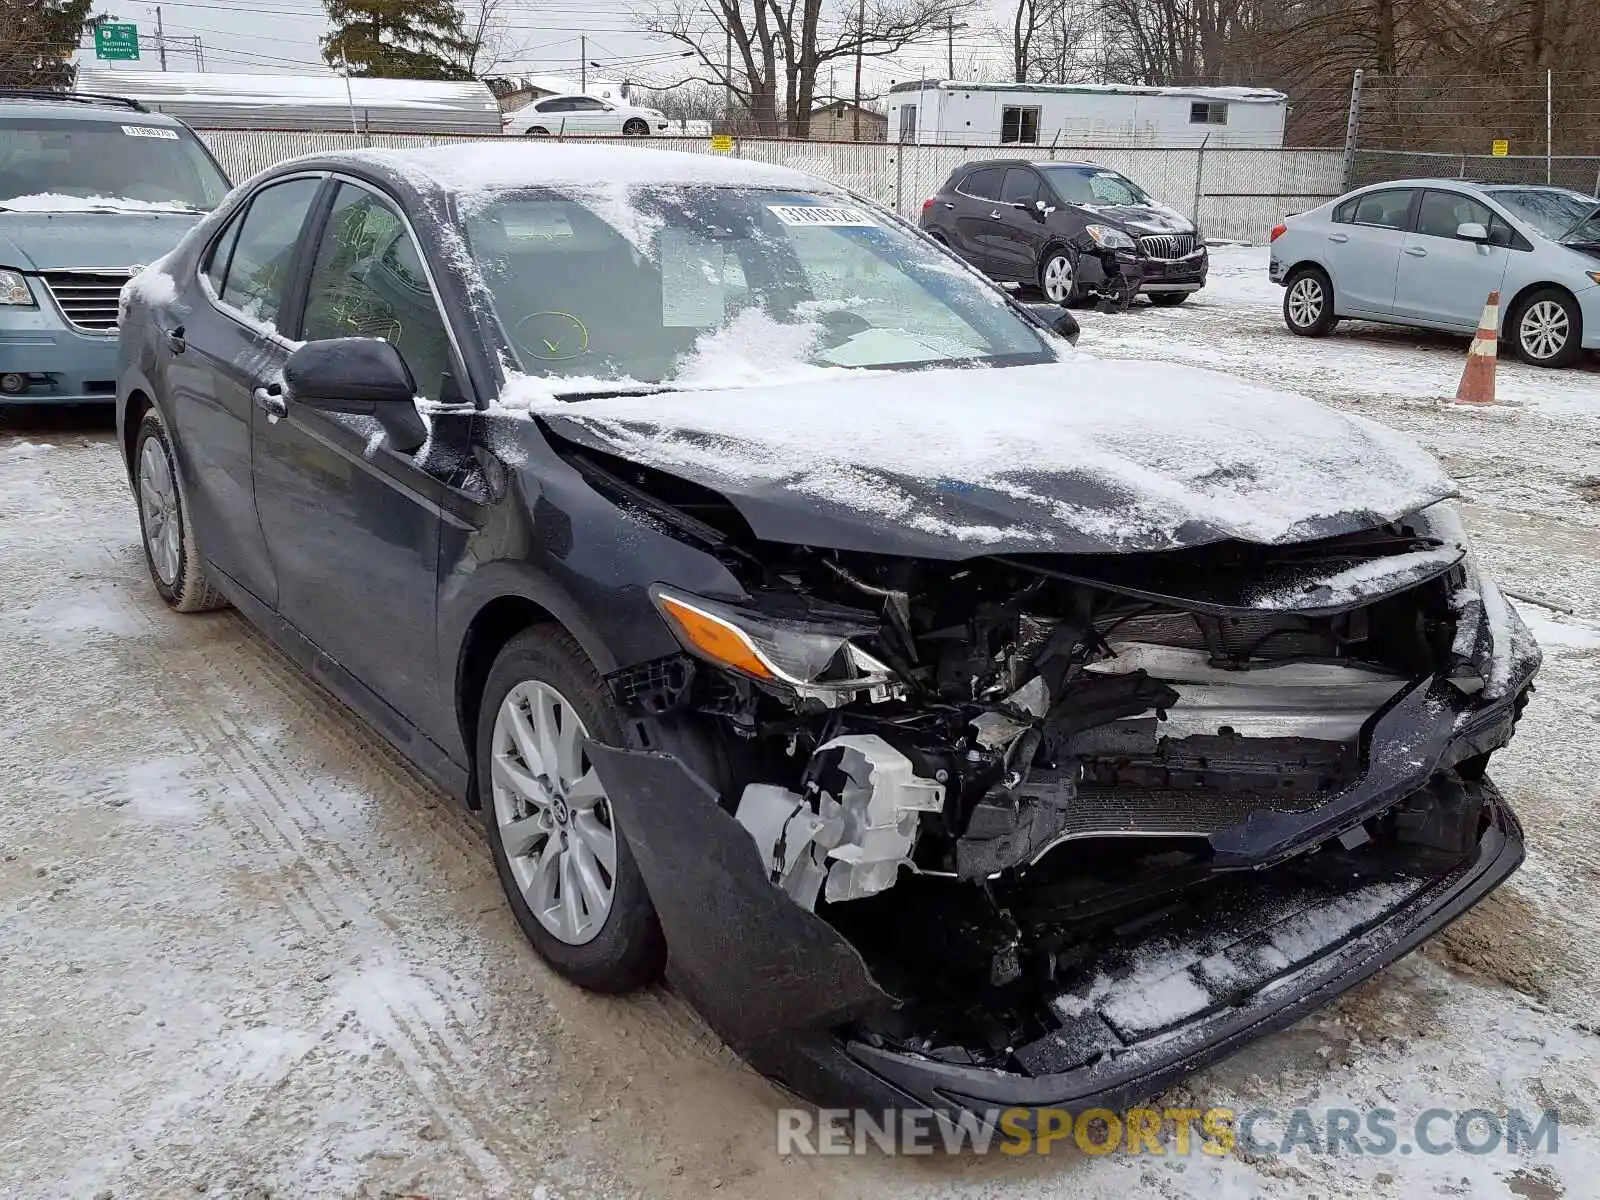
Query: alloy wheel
554	821
1305	301
1544	329
1058	278
158	503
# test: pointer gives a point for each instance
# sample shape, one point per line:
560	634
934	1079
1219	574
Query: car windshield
55	164
1092	186
707	284
1554	212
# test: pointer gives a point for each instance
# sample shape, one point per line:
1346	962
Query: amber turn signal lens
715	638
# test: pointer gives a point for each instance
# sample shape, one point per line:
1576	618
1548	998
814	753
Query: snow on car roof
501	165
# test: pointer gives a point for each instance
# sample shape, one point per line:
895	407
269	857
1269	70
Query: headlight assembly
813	658
1108	238
14	289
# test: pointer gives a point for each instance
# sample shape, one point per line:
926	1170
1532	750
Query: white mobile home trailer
946	112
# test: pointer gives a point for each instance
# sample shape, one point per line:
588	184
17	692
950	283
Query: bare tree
1055	41
490	43
681	102
766	55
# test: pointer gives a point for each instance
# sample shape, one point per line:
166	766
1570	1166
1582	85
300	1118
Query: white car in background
556	115
1428	252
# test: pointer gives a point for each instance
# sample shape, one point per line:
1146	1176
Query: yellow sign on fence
1501	148
722	142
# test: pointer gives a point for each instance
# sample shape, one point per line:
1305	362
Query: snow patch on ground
1556	632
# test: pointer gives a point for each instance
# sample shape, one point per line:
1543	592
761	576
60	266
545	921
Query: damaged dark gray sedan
957	719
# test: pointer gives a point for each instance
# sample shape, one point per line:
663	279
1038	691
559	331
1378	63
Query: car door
552	115
589	115
1362	249
228	347
975	197
1443	279
353	524
1018	232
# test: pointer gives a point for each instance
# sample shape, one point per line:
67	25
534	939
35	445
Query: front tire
1547	329
169	547
1168	299
634	127
566	868
1308	303
1058	277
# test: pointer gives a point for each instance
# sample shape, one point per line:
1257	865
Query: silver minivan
1428	253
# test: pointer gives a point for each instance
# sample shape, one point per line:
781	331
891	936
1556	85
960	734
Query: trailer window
908	122
1019	125
1208	113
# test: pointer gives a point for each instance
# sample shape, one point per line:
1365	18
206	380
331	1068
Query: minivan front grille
88	299
1167	245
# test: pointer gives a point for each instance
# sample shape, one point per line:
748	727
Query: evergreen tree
37	37
397	39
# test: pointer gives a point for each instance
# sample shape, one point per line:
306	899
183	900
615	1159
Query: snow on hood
53	202
1081	457
104	238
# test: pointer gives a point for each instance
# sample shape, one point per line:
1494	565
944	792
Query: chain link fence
1235	194
1581	173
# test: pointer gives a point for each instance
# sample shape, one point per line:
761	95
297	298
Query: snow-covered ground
245	951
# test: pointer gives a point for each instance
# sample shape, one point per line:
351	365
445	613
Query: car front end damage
1058	829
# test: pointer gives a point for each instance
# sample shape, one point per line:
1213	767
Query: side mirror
358	375
1472	231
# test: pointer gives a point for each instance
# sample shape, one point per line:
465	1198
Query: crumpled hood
33	241
1084	456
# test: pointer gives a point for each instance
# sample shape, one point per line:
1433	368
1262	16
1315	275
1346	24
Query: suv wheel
565	866
1308	302
1058	277
1547	329
168	536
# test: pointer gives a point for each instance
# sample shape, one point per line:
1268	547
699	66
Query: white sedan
556	115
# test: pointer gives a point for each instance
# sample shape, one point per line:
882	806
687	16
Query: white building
946	112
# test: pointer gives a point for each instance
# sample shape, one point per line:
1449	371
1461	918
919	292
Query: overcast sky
545	37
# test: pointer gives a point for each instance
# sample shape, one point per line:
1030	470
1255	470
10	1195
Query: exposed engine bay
987	774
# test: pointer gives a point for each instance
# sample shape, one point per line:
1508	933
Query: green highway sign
117	42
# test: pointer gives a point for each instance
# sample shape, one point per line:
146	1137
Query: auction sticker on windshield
150	131
808	214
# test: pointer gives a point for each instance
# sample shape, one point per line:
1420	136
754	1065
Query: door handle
1338	237
948	205
176	342
270	400
1416	252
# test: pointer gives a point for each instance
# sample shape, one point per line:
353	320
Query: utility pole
161	40
583	64
950	47
1352	129
861	29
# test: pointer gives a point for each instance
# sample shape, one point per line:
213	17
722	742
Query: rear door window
258	269
984	184
1384	210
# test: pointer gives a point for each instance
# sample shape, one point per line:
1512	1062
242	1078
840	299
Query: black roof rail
12	93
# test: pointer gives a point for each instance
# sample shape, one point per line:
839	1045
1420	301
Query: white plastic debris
881	800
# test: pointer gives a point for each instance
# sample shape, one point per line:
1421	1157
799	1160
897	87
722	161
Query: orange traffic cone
1477	381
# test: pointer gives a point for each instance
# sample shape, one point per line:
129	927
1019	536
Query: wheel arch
1527	290
133	412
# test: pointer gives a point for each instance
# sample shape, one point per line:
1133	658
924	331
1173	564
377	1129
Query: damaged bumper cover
796	999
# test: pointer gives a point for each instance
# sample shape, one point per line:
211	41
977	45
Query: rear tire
537	131
627	950
1168	299
176	567
1546	329
636	128
1308	303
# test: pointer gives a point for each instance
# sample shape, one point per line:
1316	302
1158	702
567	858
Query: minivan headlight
1109	238
14	289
